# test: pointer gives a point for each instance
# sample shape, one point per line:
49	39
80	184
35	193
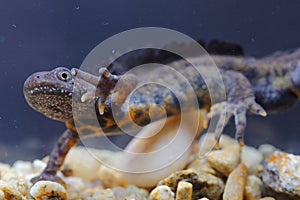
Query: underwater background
41	35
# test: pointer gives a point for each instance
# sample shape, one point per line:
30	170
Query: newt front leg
66	141
106	85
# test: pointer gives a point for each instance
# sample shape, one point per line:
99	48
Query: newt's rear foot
237	109
48	177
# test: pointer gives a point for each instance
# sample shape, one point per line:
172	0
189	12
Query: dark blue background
39	35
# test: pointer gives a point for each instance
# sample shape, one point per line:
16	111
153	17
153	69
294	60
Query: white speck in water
77	7
14	25
113	51
105	23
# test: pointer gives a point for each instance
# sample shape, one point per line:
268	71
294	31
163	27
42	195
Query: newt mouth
47	90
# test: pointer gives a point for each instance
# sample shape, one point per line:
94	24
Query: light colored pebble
252	158
44	190
22	167
162	192
266	149
204	198
282	173
201	164
225	160
268	198
9	175
103	195
184	191
253	188
236	182
75	186
9	191
22	187
212	186
82	162
130	192
2	195
207	143
4	167
39	165
119	192
109	177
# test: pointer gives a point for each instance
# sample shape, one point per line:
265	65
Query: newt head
50	93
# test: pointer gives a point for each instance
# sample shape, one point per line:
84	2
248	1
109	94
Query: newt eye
64	76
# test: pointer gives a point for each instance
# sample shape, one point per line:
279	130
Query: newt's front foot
57	156
238	109
48	177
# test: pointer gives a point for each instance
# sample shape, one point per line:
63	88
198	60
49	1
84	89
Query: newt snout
50	93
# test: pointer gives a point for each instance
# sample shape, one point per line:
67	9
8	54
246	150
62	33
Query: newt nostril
37	76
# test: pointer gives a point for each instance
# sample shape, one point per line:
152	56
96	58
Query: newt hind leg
240	100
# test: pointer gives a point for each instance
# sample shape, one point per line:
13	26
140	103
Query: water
36	36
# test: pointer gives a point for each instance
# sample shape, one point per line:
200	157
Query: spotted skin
252	85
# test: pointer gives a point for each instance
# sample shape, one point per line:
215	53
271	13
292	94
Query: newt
267	84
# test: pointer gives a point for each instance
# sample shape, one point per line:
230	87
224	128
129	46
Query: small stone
225	160
75	186
8	191
119	192
22	167
252	158
236	182
44	190
8	175
267	198
2	195
132	190
204	184
162	192
266	149
109	176
204	198
253	188
184	191
201	164
282	173
207	143
82	162
22	187
4	167
130	193
103	195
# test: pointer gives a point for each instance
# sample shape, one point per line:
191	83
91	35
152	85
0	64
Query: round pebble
162	192
44	190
